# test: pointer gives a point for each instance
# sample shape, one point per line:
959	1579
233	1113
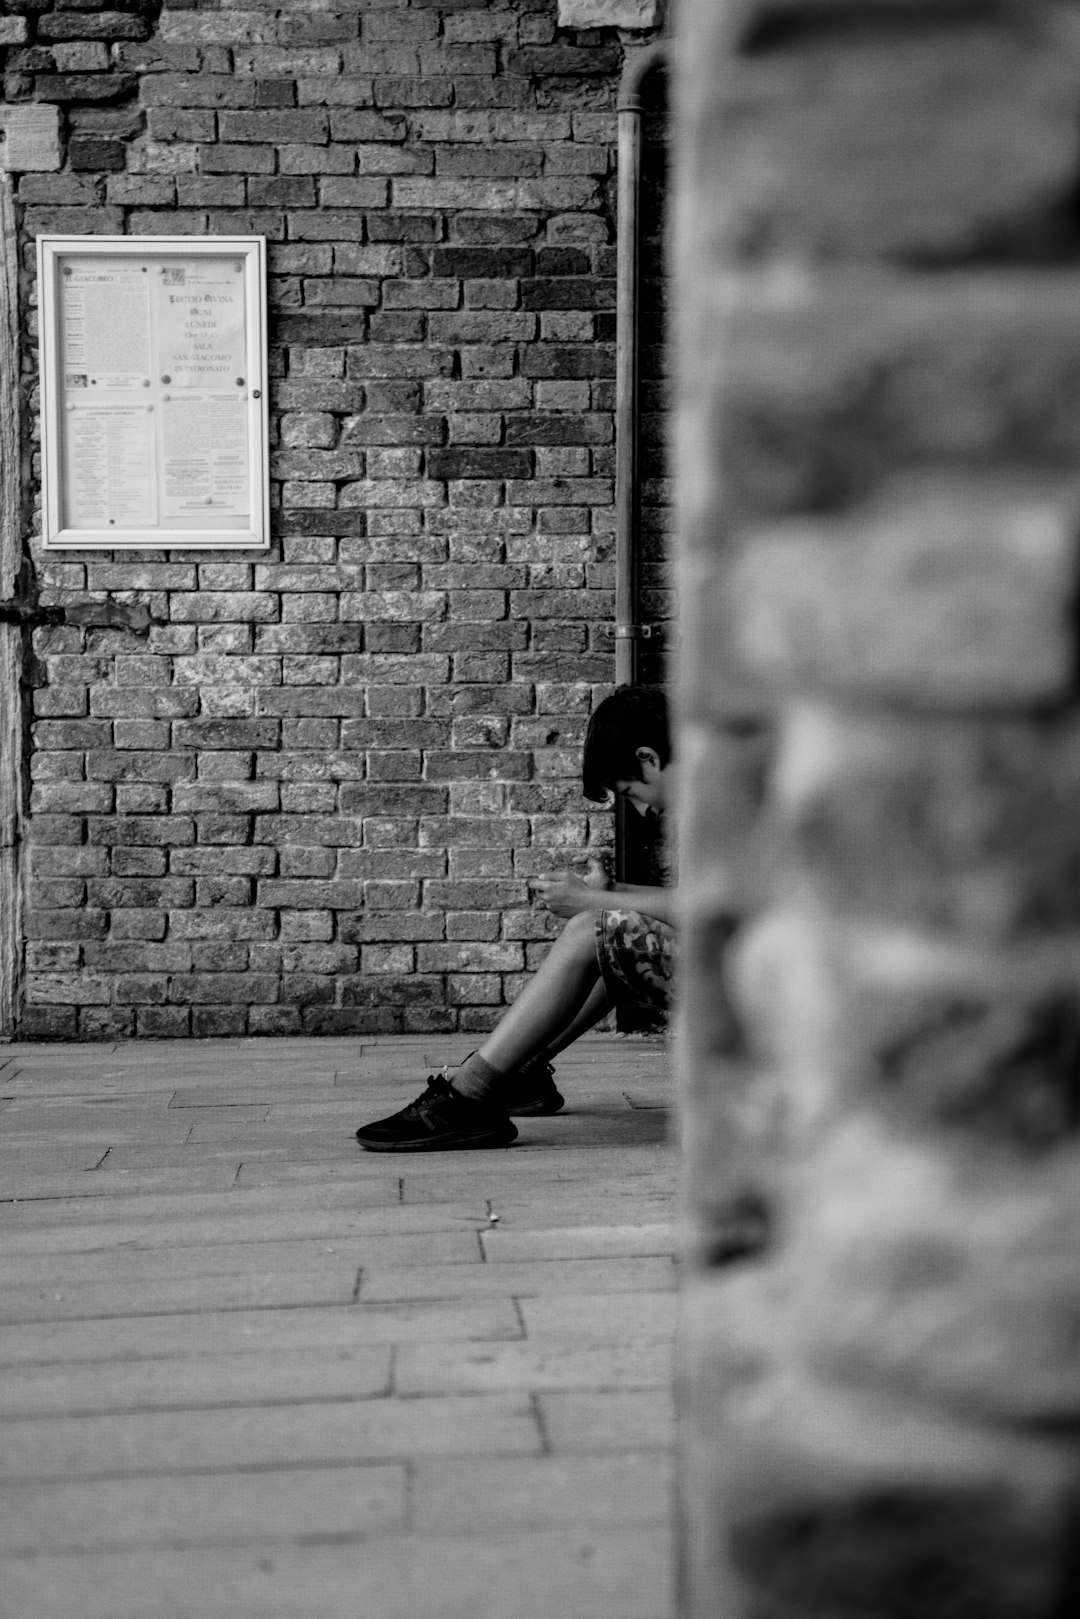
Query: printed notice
105	315
111	464
205	456
200	322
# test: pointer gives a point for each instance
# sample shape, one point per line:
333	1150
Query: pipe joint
640	61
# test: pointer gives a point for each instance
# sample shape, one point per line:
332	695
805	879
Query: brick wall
880	547
308	794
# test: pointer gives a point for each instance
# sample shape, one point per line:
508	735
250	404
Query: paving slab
30	1160
174	1382
217	1509
583	1573
266	1436
170	1206
101	1179
314	1093
478	1368
64	1300
521	1281
581	1318
74	1234
450	1497
237	1331
577	1242
588	1420
546	1195
89	1084
140	1155
126	1266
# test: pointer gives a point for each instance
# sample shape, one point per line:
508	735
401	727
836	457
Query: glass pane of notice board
153	392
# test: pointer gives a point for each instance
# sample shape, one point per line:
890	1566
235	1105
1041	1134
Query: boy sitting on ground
607	951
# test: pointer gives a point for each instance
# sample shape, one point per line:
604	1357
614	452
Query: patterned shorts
636	955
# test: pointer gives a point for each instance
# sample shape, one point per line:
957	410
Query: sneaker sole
532	1110
462	1144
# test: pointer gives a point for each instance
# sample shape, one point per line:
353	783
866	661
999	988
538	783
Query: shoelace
437	1086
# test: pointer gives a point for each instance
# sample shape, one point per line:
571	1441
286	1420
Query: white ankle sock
475	1079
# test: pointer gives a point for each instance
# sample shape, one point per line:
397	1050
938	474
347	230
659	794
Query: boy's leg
530	1087
598	1005
564	997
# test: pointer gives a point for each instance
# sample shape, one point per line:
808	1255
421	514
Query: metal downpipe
641	61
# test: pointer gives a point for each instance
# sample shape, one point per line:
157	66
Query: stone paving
248	1372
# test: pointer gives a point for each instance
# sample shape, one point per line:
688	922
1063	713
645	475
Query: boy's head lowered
627	741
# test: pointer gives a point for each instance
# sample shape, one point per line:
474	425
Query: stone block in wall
632	14
31	138
947	592
931	820
833	383
950	142
95	153
85	56
84	24
65	88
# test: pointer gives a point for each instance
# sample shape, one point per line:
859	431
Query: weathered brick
278	125
90	152
49	1023
170	893
137	924
233	158
311	895
217	1022
159	830
61	797
479	463
174	125
225	797
81	924
79	24
563	59
226	733
1008	557
568	292
55	831
69	702
567	361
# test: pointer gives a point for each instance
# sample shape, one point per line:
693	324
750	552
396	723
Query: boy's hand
565	895
597	873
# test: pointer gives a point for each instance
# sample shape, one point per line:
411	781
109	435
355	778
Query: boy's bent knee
580	932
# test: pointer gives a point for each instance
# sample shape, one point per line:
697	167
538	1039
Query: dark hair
632	717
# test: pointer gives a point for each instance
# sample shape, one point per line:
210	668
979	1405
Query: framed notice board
153	392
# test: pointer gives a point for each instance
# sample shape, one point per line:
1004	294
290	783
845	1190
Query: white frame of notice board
153	392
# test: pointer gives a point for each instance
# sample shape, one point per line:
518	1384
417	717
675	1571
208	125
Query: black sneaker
532	1091
439	1121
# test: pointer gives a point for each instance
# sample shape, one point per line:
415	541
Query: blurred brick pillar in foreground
878	253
